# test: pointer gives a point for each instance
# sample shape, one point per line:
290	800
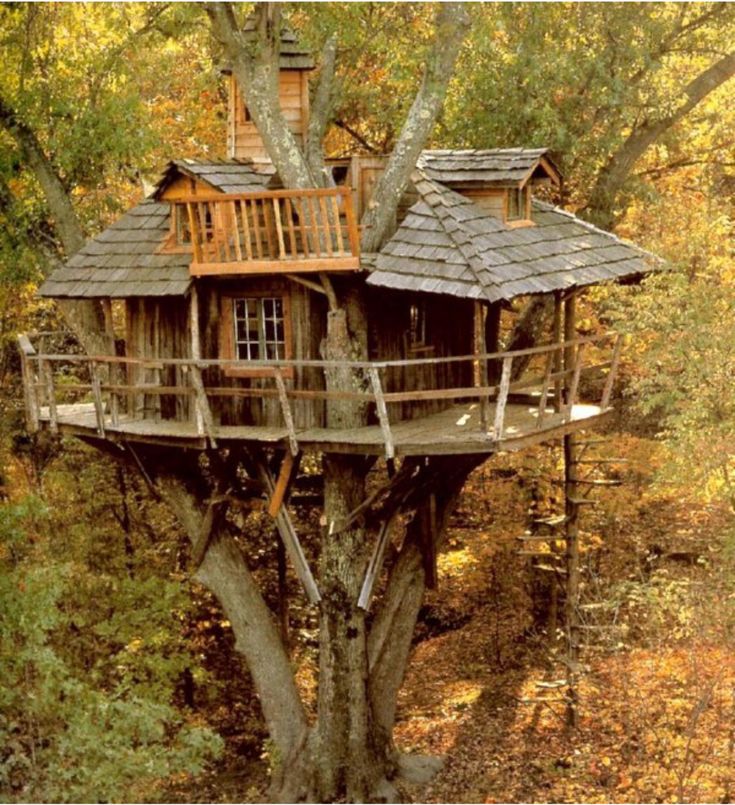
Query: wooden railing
96	380
271	231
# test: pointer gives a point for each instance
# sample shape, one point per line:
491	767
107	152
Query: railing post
30	391
502	397
99	408
572	393
202	404
607	390
545	388
286	410
352	233
382	409
48	377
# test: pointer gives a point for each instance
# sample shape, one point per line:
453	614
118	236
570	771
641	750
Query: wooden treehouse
217	289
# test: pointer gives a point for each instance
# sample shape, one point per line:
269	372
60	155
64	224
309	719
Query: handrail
284	363
38	377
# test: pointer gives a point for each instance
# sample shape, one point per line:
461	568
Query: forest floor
657	698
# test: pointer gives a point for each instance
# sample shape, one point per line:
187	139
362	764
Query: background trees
96	97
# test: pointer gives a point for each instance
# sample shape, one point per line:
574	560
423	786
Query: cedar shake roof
291	56
447	244
123	261
494	166
225	176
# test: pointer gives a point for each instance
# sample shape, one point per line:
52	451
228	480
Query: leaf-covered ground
658	696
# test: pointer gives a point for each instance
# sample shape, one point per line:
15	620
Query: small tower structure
295	63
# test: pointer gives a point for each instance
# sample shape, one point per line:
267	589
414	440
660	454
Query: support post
492	340
481	346
195	348
29	383
556	338
571	603
48	376
607	391
99	408
502	398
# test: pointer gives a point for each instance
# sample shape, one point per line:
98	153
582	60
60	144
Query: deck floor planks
455	430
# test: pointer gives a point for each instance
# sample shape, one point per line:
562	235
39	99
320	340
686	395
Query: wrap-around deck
101	397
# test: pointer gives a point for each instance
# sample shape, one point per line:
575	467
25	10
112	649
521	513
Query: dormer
295	63
499	180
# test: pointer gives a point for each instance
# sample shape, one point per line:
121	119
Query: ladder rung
551	569
556	683
545	554
583	502
556	520
541	537
601	461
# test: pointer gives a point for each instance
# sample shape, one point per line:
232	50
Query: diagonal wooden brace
290	539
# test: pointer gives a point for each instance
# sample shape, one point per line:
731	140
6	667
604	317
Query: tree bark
600	208
255	64
257	636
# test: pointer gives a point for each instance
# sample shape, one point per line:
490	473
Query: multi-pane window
259	328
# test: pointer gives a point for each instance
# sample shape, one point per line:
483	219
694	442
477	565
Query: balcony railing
273	231
55	384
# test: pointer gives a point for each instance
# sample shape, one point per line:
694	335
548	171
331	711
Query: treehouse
217	289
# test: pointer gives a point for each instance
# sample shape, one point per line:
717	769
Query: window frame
524	207
228	342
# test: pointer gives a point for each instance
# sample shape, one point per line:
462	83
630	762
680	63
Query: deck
454	431
98	397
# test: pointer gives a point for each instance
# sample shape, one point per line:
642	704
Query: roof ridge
466	246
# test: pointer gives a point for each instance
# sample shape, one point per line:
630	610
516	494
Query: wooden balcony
273	231
100	398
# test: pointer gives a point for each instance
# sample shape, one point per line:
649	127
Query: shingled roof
292	55
493	166
447	244
123	260
223	175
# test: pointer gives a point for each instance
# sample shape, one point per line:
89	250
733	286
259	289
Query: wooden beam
290	539
247	267
286	475
607	391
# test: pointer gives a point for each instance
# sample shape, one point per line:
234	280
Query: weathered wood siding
449	331
158	328
307	320
243	140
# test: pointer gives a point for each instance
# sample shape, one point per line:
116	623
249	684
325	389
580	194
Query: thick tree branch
224	571
255	64
600	208
321	109
452	24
